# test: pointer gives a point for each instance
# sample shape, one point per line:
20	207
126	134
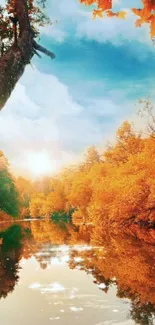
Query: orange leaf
97	13
152	31
87	2
138	23
105	4
137	12
110	13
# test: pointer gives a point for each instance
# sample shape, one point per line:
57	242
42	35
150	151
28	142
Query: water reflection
54	273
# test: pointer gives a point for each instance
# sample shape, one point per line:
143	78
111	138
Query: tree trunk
14	61
12	65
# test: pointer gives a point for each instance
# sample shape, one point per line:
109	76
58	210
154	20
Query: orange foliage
5	217
36	205
125	262
25	190
107	191
146	14
46	205
117	189
79	216
45	232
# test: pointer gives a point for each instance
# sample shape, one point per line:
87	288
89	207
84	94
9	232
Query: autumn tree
47	205
36	205
111	190
25	190
146	113
92	157
9	202
19	22
128	143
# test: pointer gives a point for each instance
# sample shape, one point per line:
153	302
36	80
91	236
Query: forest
110	190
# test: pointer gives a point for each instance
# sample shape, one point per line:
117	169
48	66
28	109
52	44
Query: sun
39	163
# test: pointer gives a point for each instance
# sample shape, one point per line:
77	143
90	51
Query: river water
50	275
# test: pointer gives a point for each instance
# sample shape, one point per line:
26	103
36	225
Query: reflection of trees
17	242
10	254
122	261
59	233
142	314
79	234
44	254
8	271
45	232
127	263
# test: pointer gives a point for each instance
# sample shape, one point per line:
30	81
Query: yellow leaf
97	13
121	15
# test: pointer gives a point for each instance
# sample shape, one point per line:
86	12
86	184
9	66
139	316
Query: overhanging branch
42	49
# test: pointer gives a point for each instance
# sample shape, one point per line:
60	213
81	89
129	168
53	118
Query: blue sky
61	107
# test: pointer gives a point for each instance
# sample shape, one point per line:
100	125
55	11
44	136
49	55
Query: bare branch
35	52
43	50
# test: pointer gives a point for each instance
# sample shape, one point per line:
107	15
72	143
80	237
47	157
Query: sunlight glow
39	163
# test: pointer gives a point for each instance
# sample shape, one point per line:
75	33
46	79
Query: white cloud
102	286
55	32
53	288
113	30
76	309
60	260
42	116
35	285
76	20
29	120
48	288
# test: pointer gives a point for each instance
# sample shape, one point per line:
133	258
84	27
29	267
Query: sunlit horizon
39	164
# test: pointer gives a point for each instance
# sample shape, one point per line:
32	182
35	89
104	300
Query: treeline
113	188
9	204
16	192
116	187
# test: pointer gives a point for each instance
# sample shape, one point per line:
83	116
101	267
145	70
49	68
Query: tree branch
43	50
35	52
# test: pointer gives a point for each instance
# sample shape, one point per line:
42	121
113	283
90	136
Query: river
49	274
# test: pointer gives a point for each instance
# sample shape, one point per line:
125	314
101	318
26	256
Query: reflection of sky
60	295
